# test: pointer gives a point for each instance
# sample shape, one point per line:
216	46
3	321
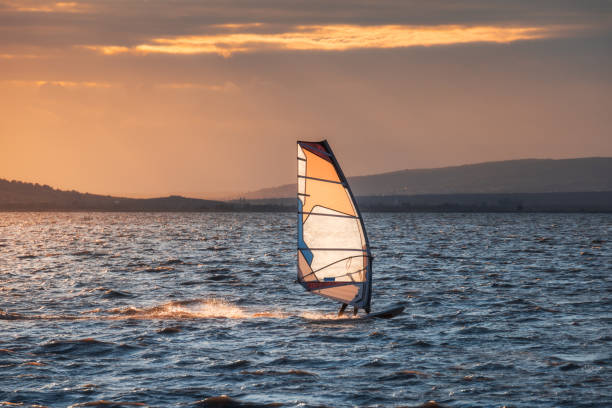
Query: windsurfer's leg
342	308
367	310
355	310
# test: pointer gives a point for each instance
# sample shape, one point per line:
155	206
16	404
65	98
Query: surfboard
333	252
385	314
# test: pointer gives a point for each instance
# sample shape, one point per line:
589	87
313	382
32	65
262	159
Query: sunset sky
207	98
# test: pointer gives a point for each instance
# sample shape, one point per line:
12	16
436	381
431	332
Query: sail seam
333	249
320	179
331	209
309	147
328	215
333	263
332	284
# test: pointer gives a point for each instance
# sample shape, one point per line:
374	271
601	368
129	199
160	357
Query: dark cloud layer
129	23
148	124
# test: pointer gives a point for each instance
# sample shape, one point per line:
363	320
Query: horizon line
229	196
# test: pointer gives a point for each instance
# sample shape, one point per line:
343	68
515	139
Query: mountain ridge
536	185
19	196
507	176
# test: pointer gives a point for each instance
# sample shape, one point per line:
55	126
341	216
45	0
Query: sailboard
333	252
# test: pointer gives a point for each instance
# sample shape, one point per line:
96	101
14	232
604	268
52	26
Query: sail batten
328	215
320	179
334	249
334	257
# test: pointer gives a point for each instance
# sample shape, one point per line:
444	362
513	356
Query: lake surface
172	310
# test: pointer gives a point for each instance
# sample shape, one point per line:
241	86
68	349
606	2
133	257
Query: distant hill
19	196
514	176
572	185
582	202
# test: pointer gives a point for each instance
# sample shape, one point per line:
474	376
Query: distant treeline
507	202
20	196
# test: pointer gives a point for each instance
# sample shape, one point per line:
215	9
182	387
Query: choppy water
177	309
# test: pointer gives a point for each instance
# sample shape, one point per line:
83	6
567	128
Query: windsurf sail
334	257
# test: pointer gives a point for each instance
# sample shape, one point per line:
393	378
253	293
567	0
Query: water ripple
195	309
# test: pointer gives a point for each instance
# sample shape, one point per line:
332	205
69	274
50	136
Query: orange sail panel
333	252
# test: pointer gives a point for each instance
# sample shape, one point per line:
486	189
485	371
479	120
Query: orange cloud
66	84
108	49
15	56
46	6
333	38
225	87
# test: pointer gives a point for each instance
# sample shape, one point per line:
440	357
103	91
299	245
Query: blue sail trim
301	244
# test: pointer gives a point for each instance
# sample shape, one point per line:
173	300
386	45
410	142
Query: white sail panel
326	228
301	174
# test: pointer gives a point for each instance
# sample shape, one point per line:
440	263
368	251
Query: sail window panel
304	271
334	232
317	149
329	195
320	168
301	168
363	240
300	152
344	294
331	230
300	198
362	236
301	181
338	266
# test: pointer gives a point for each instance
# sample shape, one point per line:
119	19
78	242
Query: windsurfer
355	310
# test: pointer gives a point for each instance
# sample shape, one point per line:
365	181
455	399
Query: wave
212	308
109	404
185	309
223	401
403	375
11	316
88	346
324	317
298	373
114	294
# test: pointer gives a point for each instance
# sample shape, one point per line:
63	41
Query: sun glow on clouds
46	6
15	56
225	87
331	38
65	84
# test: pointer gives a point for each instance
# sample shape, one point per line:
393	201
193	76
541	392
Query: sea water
198	309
